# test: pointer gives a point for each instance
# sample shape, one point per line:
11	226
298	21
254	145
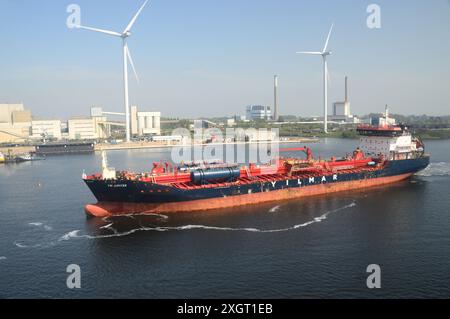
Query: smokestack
275	97
346	89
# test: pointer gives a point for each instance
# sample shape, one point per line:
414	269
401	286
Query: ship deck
244	180
258	174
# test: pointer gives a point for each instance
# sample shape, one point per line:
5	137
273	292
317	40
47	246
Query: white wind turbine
126	59
324	55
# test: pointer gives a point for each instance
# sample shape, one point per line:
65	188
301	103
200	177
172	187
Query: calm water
317	247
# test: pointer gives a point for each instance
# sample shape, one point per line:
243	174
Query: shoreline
152	145
20	150
24	149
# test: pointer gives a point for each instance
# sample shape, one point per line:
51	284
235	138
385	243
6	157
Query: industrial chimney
346	89
276	115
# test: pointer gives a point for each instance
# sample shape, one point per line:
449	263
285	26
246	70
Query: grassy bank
425	134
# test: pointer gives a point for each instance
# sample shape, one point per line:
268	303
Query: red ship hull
106	209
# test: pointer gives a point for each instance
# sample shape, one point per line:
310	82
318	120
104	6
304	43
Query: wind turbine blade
130	25
100	30
328	38
311	53
130	59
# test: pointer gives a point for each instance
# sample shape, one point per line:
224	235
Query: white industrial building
81	129
15	123
45	129
10	111
149	123
145	123
88	128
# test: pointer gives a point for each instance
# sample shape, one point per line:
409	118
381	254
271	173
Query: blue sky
213	57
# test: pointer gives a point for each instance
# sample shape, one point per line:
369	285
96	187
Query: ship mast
107	172
386	115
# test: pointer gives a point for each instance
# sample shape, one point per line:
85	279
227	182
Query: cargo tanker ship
387	153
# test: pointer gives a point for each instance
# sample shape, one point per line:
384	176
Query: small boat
30	157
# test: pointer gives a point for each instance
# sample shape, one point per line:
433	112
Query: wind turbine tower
324	53
126	59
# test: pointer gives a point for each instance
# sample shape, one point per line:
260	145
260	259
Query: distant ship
15	159
30	157
64	148
387	153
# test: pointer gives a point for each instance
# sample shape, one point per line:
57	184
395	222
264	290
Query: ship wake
436	169
77	234
41	225
275	209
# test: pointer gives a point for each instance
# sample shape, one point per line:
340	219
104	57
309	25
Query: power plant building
341	110
258	112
